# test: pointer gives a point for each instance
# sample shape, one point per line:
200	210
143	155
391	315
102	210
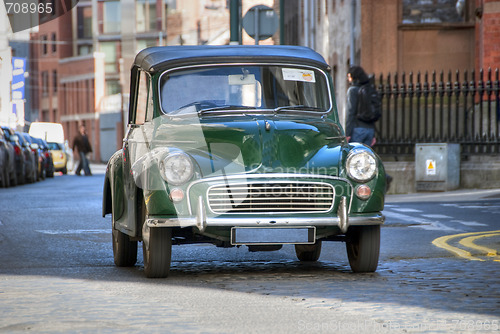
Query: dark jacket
82	144
352	109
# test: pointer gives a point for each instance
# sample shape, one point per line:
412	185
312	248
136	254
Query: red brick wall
78	99
48	62
488	34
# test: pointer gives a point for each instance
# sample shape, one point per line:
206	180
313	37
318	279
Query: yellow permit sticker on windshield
293	74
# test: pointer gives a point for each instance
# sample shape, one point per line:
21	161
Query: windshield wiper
298	107
228	107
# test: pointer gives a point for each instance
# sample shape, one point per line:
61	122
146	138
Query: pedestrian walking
363	107
82	145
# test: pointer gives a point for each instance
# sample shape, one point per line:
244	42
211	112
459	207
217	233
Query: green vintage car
239	145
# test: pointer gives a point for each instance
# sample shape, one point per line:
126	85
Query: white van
50	132
53	134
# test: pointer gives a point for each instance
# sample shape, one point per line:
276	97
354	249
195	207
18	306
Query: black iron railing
462	109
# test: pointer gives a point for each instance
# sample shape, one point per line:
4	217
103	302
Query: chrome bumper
201	221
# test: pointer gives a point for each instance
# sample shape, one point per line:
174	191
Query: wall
81	91
488	34
387	45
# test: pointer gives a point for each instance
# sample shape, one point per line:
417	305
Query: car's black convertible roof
161	57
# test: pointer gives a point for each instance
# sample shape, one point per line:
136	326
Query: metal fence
457	108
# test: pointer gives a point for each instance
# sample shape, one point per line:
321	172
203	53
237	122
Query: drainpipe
282	22
312	18
234	22
353	35
306	23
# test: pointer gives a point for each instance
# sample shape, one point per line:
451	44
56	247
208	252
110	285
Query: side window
142	99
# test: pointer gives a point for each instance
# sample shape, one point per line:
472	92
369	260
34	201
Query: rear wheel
363	248
308	253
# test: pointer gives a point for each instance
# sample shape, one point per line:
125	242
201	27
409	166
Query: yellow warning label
431	167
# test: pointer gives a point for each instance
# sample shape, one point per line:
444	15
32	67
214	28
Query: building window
111	17
170	5
436	12
146	43
45	83
84	50
45	116
146	15
54	80
54	42
44	42
109	50
112	87
84	17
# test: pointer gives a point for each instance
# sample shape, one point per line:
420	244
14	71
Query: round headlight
361	166
176	168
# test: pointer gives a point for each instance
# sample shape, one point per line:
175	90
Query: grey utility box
437	167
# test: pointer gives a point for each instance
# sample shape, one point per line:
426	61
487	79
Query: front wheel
363	248
308	253
157	251
124	250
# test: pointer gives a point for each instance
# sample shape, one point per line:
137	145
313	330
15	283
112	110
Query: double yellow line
468	241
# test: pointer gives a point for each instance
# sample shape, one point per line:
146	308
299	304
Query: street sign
18	76
260	22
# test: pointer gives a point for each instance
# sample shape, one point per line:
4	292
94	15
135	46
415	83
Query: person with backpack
363	107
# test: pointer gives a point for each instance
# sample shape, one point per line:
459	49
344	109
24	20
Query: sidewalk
98	168
448	196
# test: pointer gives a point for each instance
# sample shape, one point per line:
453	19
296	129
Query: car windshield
258	87
54	146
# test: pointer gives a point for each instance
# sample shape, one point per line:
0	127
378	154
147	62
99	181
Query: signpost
260	22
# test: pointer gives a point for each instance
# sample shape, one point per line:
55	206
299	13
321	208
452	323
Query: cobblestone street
58	276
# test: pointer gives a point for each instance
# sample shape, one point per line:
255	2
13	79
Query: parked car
46	155
30	163
53	134
239	145
7	167
15	156
59	157
35	149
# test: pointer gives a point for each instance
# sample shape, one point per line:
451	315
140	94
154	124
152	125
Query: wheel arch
113	197
106	197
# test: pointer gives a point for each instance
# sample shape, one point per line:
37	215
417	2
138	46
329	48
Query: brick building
487	34
81	60
388	36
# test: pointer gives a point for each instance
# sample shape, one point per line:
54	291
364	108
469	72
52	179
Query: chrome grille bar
275	197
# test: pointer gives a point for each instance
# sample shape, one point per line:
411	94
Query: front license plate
272	235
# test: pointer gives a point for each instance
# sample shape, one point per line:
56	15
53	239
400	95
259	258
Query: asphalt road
438	272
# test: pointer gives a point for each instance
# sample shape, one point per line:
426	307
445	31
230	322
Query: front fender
113	191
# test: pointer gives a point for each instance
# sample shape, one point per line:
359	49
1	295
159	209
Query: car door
135	145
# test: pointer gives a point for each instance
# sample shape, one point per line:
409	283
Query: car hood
254	143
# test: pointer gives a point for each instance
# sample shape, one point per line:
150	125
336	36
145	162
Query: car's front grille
275	197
